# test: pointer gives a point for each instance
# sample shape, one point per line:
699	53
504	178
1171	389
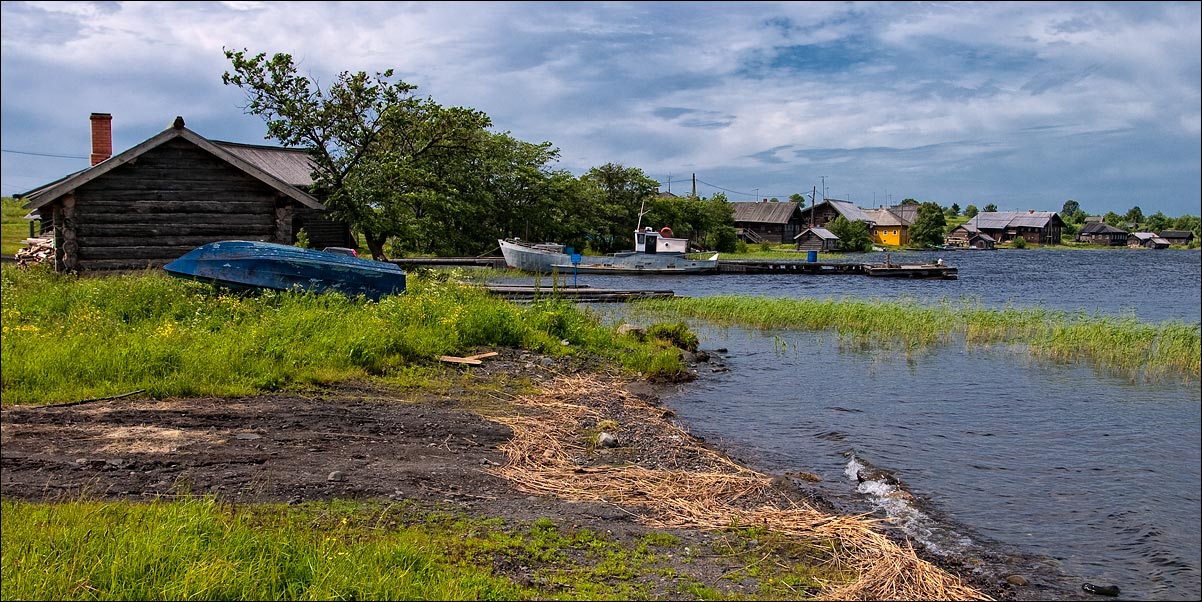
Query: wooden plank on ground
459	360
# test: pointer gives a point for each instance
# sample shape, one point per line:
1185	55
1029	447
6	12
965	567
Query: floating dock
737	266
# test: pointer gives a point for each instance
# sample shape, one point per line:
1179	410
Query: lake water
1067	474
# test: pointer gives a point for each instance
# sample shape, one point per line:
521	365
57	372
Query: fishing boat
654	253
243	264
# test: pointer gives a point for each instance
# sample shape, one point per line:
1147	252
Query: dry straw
549	455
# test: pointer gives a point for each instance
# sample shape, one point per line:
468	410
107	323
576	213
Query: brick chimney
102	137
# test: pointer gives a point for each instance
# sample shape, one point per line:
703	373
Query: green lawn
13	227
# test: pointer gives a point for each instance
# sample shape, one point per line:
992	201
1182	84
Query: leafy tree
970	211
1069	208
798	198
990	208
1191	223
954	210
621	193
853	235
375	146
928	226
1135	215
1159	222
908	202
1113	219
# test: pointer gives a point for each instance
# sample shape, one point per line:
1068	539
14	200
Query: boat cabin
649	241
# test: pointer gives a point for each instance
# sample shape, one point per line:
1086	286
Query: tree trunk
375	244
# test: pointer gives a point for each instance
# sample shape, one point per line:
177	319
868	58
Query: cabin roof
885	217
1000	220
271	165
765	213
819	232
1176	234
1101	228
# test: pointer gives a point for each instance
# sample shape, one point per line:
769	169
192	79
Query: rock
1017	580
248	436
639	333
607	440
336	476
1101	590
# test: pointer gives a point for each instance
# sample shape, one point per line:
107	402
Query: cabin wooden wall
168	201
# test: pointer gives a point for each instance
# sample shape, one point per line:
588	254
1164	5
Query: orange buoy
665	232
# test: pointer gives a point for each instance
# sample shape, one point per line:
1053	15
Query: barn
174	192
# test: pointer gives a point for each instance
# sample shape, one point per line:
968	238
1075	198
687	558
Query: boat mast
639	226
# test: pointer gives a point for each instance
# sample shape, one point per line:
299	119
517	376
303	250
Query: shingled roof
765	213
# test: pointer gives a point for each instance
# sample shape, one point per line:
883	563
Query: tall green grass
1120	344
199	549
67	338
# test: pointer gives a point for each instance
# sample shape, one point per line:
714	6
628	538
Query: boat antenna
642	204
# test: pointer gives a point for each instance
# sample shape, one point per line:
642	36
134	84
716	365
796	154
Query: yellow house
889	226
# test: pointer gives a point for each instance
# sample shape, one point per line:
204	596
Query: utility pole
694	184
757	195
823	187
813	205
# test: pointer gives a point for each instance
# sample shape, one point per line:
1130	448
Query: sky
1020	105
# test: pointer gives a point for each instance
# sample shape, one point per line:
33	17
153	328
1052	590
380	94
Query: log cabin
174	192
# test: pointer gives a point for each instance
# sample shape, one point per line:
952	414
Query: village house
1103	234
1178	237
773	222
1037	227
891	225
1149	240
966	236
826	210
153	203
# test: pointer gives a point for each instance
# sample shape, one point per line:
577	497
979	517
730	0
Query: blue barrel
812	256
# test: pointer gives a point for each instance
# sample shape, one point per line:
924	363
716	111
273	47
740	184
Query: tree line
414	177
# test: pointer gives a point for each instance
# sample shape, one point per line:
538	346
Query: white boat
654	253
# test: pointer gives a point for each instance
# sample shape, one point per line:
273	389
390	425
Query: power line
17	152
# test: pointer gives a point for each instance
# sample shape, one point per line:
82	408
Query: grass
1120	344
199	548
13	227
68	338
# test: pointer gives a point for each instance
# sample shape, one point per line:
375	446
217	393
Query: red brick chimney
102	137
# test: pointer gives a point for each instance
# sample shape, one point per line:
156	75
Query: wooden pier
740	266
579	294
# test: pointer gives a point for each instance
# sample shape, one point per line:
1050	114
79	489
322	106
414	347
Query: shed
1178	237
775	222
816	239
1146	239
172	193
966	236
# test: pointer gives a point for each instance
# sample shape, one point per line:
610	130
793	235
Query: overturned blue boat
243	264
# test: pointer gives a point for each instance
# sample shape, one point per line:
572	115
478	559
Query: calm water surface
1097	475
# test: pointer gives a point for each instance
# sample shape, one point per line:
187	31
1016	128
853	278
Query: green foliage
927	229
14	229
990	208
67	338
970	211
853	235
1070	207
1134	215
1019	243
675	333
302	239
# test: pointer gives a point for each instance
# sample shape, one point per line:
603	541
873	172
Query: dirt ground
351	441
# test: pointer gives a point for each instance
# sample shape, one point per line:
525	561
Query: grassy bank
67	338
1121	344
198	548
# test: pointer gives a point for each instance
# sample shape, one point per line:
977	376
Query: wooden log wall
167	202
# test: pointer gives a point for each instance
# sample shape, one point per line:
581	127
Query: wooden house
174	192
777	223
966	236
889	226
1148	240
826	210
1102	234
1178	237
816	239
1038	227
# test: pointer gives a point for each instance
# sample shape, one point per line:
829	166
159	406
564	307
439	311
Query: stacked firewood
35	251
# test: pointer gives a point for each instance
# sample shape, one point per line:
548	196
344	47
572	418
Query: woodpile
36	250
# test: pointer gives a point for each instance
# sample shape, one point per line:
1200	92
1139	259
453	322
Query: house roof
1176	234
1100	228
1144	236
1000	220
885	217
846	209
273	167
765	213
819	232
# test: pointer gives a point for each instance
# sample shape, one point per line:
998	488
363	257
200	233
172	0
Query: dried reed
714	493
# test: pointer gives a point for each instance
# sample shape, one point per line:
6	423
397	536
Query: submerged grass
68	338
1123	345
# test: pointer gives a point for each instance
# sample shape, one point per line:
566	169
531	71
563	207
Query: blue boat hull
244	264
